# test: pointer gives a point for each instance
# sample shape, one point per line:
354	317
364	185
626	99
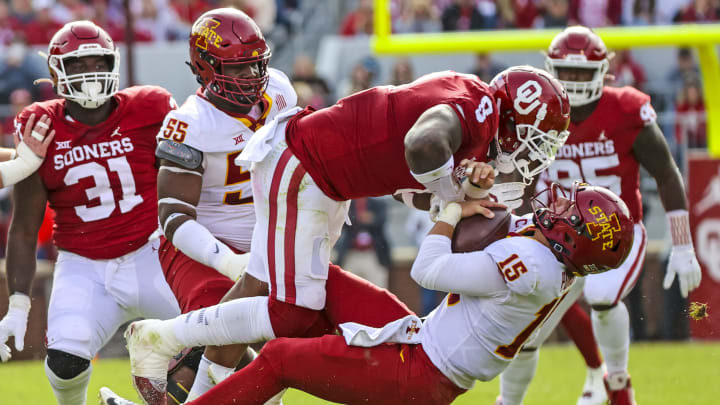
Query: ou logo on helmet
526	99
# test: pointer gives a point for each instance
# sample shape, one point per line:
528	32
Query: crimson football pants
349	298
578	326
195	285
389	374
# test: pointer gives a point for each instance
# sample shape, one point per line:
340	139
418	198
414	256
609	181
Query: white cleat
594	392
107	397
151	344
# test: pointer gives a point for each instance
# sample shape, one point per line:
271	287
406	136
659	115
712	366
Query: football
477	232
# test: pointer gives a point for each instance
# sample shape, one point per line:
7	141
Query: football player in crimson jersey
497	298
100	179
613	133
307	165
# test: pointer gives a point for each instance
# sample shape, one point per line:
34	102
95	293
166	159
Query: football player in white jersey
205	200
497	300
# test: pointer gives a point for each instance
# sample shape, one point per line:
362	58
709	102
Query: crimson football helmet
534	117
78	39
224	38
591	231
579	47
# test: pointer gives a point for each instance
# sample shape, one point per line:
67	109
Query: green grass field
663	374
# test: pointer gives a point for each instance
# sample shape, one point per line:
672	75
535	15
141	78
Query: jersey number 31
102	189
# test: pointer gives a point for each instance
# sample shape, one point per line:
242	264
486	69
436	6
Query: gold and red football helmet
223	38
591	231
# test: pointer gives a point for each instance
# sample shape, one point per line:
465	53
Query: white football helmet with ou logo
76	40
579	48
534	117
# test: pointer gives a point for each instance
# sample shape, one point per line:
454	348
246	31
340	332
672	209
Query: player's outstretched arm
437	268
29	199
30	151
179	189
429	148
653	153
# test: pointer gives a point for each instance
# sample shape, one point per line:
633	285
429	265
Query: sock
578	326
515	379
72	391
244	320
612	331
594	379
202	383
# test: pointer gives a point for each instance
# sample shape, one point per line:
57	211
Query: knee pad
65	365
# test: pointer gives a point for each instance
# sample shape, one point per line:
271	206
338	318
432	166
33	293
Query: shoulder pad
179	153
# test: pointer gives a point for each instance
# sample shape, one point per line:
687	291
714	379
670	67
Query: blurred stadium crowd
28	25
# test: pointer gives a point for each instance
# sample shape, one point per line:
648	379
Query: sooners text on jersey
355	148
600	149
101	181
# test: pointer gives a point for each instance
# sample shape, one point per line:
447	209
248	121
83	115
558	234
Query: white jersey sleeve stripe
174	169
170	200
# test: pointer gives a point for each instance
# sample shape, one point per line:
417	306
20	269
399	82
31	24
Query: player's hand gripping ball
477	232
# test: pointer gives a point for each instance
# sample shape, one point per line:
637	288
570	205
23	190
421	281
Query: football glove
682	259
683	262
14	324
510	193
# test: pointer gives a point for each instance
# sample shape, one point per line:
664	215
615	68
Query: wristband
441	181
451	214
20	302
15	170
679	228
473	191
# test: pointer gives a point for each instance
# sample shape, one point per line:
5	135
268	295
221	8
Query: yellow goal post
702	37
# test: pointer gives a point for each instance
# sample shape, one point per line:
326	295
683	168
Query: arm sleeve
437	268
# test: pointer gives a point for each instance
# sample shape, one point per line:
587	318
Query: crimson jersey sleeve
355	148
147	103
478	116
636	107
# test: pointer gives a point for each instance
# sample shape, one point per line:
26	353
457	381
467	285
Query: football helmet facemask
579	47
227	39
534	117
80	39
591	231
